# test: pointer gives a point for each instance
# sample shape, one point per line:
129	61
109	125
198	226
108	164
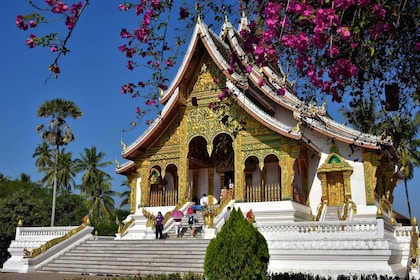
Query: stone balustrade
306	229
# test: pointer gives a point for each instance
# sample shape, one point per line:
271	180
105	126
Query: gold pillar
371	162
239	167
287	161
132	181
347	188
145	183
323	178
183	161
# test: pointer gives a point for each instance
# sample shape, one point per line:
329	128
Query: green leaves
239	251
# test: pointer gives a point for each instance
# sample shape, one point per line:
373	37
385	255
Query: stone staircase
106	256
185	227
332	213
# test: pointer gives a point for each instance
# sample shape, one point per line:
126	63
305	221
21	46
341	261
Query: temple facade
321	192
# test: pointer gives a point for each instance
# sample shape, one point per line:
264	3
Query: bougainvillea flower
31	41
54	48
150	102
183	13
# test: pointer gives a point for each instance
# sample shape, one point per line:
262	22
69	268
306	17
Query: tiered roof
260	102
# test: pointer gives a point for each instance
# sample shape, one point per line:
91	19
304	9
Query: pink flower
125	34
20	23
281	91
333	51
183	13
343	4
150	102
138	111
378	11
124	7
344	32
130	65
221	96
54	48
32	24
417	46
364	3
59	7
31	41
70	22
299	63
248	69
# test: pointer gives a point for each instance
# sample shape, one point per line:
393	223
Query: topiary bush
239	251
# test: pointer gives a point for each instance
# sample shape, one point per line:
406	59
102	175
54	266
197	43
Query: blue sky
91	76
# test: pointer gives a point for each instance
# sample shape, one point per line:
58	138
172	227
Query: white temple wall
357	183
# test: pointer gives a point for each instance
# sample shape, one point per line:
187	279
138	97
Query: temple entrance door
222	158
198	159
335	188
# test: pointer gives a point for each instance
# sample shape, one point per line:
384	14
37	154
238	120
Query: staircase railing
321	211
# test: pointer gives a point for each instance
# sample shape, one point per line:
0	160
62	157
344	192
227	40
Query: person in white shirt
204	200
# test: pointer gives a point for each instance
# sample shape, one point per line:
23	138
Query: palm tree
96	186
91	162
126	194
44	155
99	199
57	133
403	130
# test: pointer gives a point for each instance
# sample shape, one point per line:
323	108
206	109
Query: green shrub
239	251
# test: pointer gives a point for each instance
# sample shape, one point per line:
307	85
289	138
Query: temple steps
106	256
332	213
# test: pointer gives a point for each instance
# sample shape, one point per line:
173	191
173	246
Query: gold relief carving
334	174
158	158
202	121
133	192
144	185
205	80
171	135
371	161
253	128
239	167
183	160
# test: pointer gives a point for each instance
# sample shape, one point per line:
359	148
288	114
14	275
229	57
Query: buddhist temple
321	192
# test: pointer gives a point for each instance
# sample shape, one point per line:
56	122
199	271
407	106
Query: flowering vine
339	48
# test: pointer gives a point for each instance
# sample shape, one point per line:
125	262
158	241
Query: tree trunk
54	187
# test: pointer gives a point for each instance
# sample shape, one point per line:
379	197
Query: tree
28	201
44	156
339	48
96	185
403	128
99	199
91	163
126	194
57	133
66	172
239	251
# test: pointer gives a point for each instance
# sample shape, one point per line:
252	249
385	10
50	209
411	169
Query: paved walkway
52	276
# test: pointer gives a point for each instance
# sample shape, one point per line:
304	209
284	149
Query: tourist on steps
159	225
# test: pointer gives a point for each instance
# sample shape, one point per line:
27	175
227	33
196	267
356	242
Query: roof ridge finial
198	8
